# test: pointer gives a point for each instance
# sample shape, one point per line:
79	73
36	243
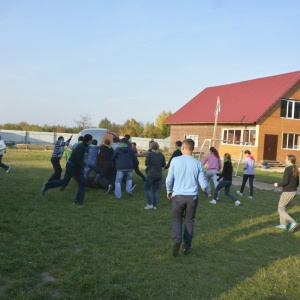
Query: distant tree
151	131
132	127
104	123
161	123
24	126
84	122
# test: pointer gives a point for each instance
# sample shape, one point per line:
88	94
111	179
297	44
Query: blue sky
123	59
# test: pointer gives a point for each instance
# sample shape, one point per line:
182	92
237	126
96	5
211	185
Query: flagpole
216	119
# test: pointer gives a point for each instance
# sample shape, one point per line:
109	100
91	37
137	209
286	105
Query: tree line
158	130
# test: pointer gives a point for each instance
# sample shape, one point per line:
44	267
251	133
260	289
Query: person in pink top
214	166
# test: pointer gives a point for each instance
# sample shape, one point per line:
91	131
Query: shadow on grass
116	250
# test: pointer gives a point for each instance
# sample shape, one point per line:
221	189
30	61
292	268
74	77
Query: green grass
112	249
261	175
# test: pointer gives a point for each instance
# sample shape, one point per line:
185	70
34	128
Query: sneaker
209	194
133	187
250	197
213	201
8	170
130	194
187	251
239	193
79	205
44	189
237	203
283	227
292	226
154	208
109	189
175	249
148	206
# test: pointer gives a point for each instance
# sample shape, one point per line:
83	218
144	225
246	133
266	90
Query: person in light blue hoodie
184	174
249	164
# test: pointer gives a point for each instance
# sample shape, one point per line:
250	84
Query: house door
270	149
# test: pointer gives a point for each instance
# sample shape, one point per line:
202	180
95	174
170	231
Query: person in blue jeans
92	162
226	182
184	174
155	162
124	158
74	168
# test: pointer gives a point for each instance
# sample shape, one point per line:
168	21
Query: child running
226	182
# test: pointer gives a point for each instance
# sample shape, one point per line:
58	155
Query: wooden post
217	110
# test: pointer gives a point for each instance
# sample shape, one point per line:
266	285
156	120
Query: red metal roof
245	101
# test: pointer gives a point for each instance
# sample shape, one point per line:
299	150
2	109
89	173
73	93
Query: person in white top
2	151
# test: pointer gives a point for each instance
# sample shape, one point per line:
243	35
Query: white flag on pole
218	107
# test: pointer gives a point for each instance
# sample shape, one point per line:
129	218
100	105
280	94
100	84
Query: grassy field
112	249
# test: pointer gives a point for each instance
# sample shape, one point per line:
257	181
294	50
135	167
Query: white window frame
193	137
293	136
252	130
290	109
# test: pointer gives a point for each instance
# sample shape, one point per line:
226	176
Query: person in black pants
74	167
136	165
58	151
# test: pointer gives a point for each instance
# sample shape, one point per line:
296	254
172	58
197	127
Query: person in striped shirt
59	148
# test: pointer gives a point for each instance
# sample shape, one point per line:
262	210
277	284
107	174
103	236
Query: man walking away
182	188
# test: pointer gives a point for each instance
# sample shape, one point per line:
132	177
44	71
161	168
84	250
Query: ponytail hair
292	159
214	151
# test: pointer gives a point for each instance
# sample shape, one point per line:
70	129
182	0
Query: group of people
182	188
112	164
184	177
213	172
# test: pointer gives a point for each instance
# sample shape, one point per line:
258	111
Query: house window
238	136
193	137
291	141
249	136
290	109
232	136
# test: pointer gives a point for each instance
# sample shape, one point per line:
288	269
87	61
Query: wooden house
261	114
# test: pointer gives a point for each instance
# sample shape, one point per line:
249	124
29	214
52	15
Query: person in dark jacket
155	161
59	148
107	168
176	153
74	167
136	165
289	186
226	182
124	158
